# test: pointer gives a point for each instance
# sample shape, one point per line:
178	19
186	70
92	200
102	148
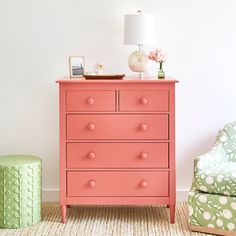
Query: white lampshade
140	29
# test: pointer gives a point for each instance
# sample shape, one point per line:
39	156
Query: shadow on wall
185	158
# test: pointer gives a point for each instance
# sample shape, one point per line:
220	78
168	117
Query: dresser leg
63	214
172	214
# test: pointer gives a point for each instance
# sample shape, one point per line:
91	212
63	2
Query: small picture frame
76	66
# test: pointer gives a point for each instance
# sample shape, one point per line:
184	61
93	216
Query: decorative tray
116	76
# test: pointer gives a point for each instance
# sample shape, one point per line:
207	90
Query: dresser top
68	80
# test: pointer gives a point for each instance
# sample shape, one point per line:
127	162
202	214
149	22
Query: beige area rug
108	221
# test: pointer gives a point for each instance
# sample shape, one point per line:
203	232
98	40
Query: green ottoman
20	191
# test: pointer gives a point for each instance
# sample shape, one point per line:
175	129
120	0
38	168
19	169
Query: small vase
161	73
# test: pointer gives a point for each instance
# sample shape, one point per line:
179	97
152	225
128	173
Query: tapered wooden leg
172	214
63	214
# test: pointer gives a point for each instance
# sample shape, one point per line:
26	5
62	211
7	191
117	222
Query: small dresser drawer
117	126
144	101
117	155
90	100
117	183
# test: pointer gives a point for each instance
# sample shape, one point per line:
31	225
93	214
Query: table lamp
139	29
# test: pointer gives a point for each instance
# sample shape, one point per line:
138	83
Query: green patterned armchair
212	199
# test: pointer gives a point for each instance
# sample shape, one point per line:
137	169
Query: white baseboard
52	195
182	195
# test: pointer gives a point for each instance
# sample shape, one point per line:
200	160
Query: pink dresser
117	143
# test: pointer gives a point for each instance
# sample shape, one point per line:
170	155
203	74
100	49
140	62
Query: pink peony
157	55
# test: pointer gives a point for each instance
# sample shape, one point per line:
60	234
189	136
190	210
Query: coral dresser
117	143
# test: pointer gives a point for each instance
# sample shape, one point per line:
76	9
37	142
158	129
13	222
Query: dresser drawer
144	101
117	155
90	100
117	127
117	183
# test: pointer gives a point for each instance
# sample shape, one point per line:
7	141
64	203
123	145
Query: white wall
37	37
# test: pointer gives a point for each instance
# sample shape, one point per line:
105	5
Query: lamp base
138	61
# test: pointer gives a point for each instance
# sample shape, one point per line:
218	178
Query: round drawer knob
91	155
143	127
90	101
143	101
91	126
91	184
143	155
143	184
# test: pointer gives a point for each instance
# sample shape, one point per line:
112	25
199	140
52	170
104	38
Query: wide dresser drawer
117	183
117	155
149	101
90	100
117	126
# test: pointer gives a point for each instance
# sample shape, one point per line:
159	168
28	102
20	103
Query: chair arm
210	159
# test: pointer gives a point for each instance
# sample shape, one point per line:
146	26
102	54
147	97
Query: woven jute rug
109	221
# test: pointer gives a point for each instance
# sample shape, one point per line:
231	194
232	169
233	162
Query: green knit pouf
20	191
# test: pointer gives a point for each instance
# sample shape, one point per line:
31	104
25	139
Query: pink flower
157	55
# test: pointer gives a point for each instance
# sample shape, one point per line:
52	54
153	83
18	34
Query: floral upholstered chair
212	199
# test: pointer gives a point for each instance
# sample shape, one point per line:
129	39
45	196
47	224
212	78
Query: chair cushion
219	179
212	211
